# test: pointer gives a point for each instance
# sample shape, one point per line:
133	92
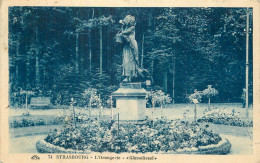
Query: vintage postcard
126	81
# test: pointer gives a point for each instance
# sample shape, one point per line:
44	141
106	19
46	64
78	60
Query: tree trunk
16	61
44	76
165	81
101	51
37	70
17	73
152	67
81	58
90	44
90	51
173	81
77	54
27	71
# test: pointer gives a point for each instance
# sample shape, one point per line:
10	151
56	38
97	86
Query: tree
209	92
90	94
195	98
158	97
96	23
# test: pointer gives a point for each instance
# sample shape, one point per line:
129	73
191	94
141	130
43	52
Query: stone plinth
131	102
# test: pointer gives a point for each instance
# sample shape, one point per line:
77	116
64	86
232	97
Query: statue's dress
130	53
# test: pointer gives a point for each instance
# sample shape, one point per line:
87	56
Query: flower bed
225	117
164	137
28	122
222	148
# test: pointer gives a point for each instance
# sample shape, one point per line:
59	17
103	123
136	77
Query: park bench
40	103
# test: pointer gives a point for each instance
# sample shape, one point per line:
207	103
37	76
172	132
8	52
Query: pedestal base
131	102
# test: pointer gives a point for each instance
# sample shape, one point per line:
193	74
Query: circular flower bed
162	137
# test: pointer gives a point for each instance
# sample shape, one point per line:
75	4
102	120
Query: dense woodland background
61	51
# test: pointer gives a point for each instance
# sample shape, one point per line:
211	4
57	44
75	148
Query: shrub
29	122
209	92
158	98
223	116
195	98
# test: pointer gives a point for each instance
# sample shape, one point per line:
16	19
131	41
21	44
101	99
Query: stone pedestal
131	102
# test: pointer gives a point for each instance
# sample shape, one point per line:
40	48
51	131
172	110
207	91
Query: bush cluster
28	122
225	117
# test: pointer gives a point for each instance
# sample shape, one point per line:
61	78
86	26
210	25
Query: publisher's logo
35	157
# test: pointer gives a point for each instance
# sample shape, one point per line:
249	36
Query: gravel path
239	145
24	144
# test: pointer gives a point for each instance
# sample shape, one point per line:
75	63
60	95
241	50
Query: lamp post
247	63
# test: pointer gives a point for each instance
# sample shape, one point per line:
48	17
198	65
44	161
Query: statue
126	36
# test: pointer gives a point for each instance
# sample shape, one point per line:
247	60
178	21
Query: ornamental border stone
222	148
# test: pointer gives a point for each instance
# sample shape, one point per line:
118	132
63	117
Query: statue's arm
128	30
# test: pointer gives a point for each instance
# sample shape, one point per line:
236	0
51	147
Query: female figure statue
130	49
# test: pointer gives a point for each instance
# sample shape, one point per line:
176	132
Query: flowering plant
195	97
158	98
226	117
28	122
91	97
209	92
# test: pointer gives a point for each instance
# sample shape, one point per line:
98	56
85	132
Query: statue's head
128	20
